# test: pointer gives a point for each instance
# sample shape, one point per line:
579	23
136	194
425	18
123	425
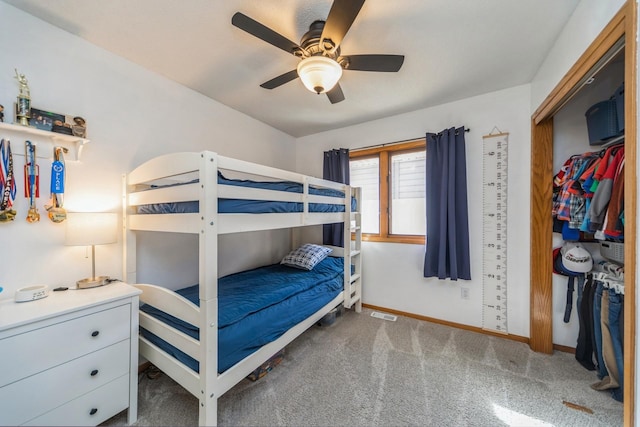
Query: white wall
392	273
132	115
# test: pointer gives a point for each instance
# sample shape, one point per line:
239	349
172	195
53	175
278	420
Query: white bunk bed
207	385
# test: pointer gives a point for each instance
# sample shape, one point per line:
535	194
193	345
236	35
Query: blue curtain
447	239
335	168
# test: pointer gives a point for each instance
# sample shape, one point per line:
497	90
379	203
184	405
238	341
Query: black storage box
602	121
267	366
330	318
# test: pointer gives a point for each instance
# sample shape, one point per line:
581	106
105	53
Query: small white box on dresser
70	358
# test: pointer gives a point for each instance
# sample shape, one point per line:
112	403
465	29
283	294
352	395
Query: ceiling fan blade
280	80
255	28
389	63
335	95
341	16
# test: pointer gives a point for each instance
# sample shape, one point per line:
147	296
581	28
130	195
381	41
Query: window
364	173
392	179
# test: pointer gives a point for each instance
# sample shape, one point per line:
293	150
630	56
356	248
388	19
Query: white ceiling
453	49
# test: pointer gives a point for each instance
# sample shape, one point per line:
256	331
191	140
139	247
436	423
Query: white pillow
306	256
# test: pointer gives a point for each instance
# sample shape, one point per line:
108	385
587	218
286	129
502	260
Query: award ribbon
56	211
8	182
57	177
31	181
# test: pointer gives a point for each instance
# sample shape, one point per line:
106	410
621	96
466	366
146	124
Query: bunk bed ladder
353	246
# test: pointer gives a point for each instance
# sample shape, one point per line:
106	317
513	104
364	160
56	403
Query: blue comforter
256	307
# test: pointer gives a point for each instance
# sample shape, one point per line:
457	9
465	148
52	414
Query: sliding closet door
541	338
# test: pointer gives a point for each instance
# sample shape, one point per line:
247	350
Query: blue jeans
616	302
597	330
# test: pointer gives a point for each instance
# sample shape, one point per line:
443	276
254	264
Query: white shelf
44	141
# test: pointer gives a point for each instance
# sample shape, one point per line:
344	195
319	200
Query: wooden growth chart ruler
494	232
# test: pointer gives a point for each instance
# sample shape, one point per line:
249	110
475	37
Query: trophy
23	107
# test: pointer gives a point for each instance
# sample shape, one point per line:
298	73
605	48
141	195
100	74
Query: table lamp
91	229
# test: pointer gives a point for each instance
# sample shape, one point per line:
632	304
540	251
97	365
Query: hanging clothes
607	325
613	226
585	346
602	195
588	195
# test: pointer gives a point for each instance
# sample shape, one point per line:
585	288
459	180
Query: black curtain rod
466	130
396	142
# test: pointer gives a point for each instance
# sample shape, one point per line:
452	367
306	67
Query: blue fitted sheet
255	206
256	307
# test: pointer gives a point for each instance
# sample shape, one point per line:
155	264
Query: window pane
365	174
407	193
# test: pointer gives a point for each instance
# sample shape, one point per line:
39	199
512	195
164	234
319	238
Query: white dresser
70	358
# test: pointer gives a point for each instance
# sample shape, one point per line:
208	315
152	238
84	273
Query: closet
585	153
556	118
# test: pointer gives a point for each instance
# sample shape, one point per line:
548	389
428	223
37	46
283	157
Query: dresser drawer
22	400
45	347
90	409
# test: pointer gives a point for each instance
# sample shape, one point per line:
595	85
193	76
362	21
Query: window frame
384	161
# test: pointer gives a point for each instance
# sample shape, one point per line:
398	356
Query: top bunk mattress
226	205
256	307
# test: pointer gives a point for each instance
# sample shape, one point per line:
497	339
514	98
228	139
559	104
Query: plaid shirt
570	202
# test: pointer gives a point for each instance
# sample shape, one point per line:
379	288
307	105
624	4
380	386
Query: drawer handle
94	372
95	333
93	411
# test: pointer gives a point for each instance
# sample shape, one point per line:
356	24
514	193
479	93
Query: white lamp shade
91	228
319	74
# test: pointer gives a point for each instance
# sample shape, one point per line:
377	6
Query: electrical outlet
464	293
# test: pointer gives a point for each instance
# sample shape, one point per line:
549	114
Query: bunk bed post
305	200
208	277
128	240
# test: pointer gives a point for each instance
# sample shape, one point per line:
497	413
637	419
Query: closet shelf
44	141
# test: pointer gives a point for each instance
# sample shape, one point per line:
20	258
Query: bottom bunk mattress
256	307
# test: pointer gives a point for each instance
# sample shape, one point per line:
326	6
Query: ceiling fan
321	62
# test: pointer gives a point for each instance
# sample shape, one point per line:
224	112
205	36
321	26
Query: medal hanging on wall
7	181
31	181
56	212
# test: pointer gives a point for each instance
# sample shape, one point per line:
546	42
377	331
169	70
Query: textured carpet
364	371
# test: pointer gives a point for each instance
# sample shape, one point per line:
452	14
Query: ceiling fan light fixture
319	74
